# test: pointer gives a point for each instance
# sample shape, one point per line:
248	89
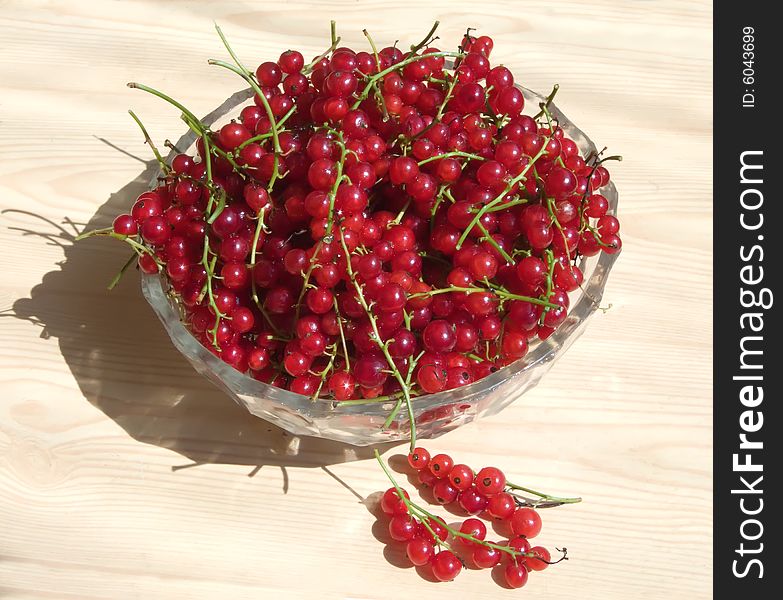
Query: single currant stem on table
93	232
616	157
163	166
422	515
131	259
426	40
333	32
499	198
547	101
497	290
379	342
455	153
403	63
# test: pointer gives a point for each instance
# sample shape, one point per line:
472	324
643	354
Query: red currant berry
440	465
526	522
474	528
461	477
126	225
515	575
402	528
420	551
485	557
445	565
501	506
472	501
540	561
490	481
444	492
391	503
419	459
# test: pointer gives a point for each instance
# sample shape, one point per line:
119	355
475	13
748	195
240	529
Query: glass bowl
435	414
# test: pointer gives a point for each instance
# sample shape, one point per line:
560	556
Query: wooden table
123	474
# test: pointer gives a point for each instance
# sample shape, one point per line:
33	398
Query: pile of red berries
375	223
445	549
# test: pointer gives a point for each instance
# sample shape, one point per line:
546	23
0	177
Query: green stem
377	338
547	101
550	259
492	242
374	49
132	259
253	287
425	41
508	205
543	496
248	77
451	154
422	515
168	99
265	136
497	200
163	166
366	91
320	57
376	400
342	335
498	292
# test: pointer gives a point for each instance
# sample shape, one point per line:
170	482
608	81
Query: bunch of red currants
446	550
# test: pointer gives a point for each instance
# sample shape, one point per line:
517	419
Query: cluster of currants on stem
431	542
376	224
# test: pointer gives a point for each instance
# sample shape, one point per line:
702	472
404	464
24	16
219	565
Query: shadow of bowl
126	366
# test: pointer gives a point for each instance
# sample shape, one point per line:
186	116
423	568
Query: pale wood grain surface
125	475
